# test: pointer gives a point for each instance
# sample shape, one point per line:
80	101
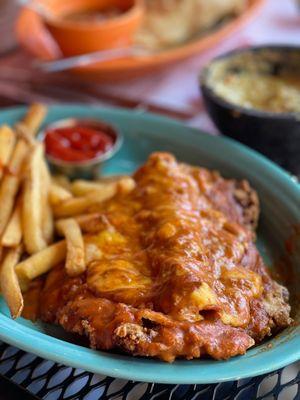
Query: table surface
50	381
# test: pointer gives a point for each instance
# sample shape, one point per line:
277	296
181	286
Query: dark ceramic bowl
277	135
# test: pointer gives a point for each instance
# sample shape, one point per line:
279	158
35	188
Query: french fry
7	142
75	259
47	223
46	212
31	208
86	218
74	206
34	118
13	232
86	221
126	185
58	194
92	253
82	188
90	223
9	282
42	262
62	181
79	205
24	284
11	182
111	178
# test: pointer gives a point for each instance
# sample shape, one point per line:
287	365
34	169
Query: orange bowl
85	35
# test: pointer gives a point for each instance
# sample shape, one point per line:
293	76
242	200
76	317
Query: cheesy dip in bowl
253	95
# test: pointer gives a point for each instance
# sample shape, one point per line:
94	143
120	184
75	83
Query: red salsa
77	142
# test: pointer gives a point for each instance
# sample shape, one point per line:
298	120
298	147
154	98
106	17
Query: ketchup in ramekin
74	146
77	143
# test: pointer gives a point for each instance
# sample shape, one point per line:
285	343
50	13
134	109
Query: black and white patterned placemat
51	381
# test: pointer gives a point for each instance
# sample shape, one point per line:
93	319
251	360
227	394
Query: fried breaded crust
177	273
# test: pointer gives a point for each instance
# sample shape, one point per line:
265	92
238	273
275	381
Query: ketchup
77	143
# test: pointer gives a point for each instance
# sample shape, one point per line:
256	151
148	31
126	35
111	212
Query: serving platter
34	37
279	195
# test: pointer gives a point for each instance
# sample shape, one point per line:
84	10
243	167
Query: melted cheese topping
165	245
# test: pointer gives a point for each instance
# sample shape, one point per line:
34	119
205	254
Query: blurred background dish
85	26
35	38
253	96
169	23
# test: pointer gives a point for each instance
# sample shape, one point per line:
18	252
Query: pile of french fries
42	218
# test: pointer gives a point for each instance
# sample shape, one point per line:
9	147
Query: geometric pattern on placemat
51	381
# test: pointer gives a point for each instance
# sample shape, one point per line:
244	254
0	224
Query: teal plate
280	204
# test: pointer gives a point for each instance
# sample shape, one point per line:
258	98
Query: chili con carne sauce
77	143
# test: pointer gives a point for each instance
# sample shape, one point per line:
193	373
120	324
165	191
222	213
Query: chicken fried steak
176	272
